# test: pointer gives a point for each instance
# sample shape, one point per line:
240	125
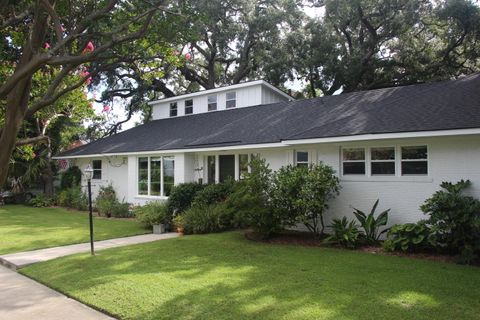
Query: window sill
414	179
151	197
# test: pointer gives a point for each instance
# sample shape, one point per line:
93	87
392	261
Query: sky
117	111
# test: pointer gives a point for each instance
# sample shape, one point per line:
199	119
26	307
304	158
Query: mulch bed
305	239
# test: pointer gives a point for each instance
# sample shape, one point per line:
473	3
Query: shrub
411	237
182	196
344	232
207	219
71	178
304	193
455	220
155	212
41	200
214	193
370	224
121	210
73	198
252	201
106	201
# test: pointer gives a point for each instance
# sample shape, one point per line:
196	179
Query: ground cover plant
25	228
225	276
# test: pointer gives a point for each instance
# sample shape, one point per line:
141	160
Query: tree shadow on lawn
227	277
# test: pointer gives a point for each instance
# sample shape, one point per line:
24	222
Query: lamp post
88	174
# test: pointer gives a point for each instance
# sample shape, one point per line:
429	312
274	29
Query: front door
227	167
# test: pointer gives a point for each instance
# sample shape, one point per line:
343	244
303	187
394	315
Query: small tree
305	192
253	201
455	220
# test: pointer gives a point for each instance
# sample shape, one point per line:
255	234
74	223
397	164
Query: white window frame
399	176
217	163
365	161
373	161
173	107
162	191
209	103
296	162
401	160
228	100
96	170
185	106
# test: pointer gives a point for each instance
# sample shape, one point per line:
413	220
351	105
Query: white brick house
395	144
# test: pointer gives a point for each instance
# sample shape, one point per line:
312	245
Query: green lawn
224	276
26	228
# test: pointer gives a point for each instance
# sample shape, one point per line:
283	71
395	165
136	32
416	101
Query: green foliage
409	237
182	196
41	200
304	193
154	212
252	201
121	210
370	224
71	177
344	232
455	220
179	222
207	219
214	193
73	198
106	201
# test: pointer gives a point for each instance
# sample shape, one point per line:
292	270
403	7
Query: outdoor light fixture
88	175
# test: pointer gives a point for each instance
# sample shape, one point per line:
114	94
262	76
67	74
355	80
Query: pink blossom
176	52
47	45
106	108
89	47
89	81
62	28
34	155
188	56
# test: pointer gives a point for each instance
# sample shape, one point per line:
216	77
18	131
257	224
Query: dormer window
212	103
231	99
189	106
173	109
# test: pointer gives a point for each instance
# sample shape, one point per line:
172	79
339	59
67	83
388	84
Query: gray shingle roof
453	104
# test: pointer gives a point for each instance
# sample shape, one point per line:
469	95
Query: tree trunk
48	179
18	97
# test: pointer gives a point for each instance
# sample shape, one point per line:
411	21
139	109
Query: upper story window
414	160
189	106
301	158
231	101
382	161
97	169
212	103
353	161
173	109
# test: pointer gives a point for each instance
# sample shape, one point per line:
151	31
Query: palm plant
370	224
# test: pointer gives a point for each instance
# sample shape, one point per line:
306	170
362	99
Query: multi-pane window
212	103
168	175
211	164
353	160
242	166
415	160
189	106
231	101
301	158
97	169
155	176
173	109
382	161
143	176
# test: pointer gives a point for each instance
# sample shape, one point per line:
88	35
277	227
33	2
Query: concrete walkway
19	260
23	298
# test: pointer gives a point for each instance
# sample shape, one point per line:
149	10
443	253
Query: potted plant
179	223
153	215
